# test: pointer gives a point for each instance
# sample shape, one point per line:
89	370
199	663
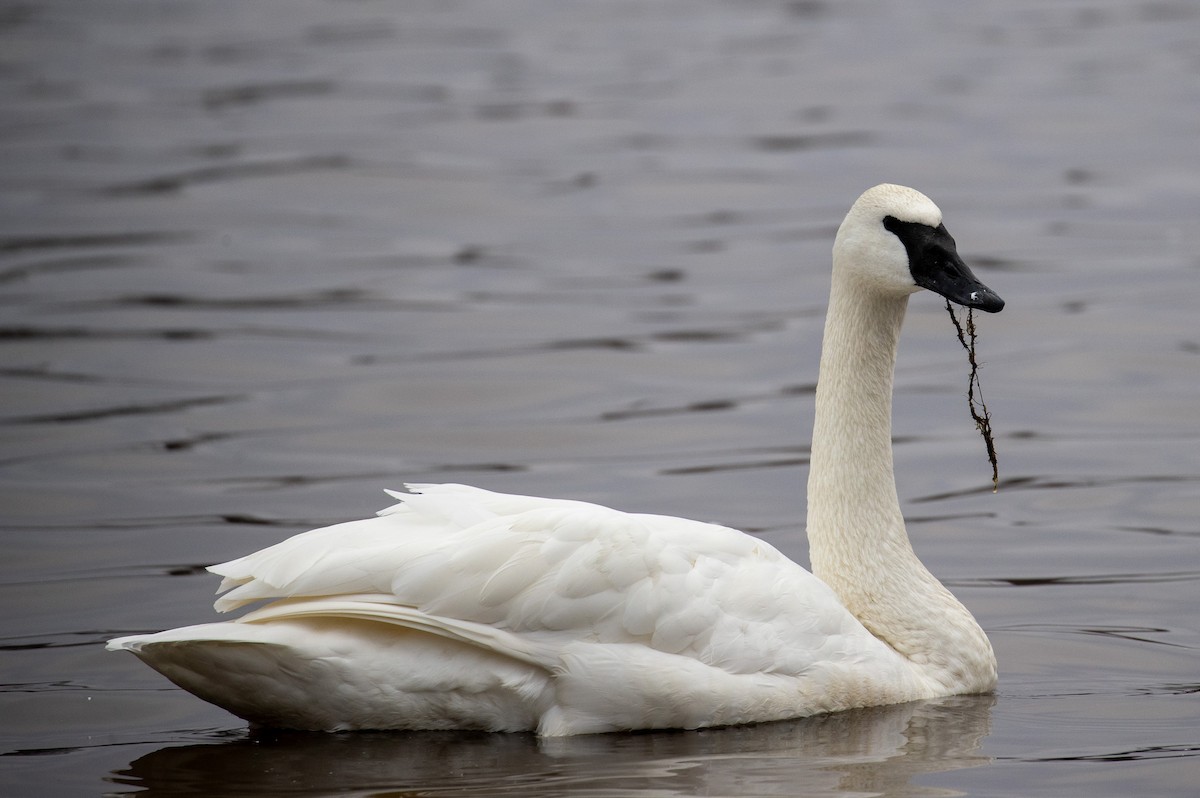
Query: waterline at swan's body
462	608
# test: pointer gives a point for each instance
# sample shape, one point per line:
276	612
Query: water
259	261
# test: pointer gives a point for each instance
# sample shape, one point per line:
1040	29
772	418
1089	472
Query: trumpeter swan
459	608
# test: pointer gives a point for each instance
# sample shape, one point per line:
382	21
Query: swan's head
893	240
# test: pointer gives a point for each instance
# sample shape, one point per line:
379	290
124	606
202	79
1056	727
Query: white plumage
459	608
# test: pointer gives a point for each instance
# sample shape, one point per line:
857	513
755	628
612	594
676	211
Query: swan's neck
857	539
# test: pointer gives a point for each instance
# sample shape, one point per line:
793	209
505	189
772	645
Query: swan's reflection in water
874	751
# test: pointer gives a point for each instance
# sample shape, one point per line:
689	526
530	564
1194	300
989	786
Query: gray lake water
261	260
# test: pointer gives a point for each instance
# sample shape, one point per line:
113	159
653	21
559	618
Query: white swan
459	608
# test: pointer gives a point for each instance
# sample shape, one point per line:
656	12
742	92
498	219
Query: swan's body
464	609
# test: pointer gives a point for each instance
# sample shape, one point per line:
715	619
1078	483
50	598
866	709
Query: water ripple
1125	755
150	408
14	244
813	141
1046	483
1139	634
254	93
1086	579
177	181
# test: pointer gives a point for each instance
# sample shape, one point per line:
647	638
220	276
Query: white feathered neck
858	542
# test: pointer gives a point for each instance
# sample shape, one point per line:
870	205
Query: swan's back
555	568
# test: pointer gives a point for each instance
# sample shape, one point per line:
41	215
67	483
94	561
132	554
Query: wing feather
565	569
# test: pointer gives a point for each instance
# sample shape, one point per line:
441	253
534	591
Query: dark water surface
261	260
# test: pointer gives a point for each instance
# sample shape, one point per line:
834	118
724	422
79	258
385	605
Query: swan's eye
933	247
